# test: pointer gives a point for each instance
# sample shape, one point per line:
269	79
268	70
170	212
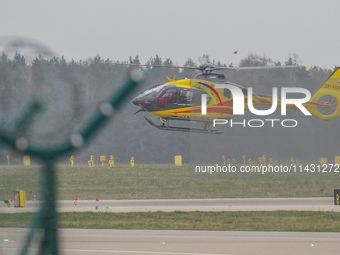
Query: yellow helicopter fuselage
182	100
192	110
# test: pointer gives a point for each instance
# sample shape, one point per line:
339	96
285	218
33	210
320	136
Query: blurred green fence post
46	217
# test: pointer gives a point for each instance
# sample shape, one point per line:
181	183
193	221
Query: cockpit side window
169	96
185	96
227	93
191	97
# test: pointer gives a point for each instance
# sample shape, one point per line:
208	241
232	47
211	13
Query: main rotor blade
207	67
260	67
178	67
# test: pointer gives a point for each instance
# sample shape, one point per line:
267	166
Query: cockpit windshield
151	93
156	88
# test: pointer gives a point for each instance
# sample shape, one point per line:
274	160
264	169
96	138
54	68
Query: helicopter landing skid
183	129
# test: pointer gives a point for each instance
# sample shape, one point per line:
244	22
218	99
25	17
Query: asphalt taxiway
165	242
167	205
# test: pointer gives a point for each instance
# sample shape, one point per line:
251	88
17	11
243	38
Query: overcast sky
180	29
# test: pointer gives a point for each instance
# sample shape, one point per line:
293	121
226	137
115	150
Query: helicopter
181	100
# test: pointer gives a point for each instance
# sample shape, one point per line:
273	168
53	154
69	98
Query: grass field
154	182
296	221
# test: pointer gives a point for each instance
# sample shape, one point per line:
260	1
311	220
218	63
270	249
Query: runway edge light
102	159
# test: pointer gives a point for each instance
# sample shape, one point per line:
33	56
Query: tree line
71	90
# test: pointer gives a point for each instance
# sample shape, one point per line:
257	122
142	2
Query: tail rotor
325	102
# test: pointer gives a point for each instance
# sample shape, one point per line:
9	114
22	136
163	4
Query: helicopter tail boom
324	104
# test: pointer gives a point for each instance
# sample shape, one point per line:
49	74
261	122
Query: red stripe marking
210	110
323	105
262	100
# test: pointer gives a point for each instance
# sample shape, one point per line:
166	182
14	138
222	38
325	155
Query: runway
168	205
164	242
